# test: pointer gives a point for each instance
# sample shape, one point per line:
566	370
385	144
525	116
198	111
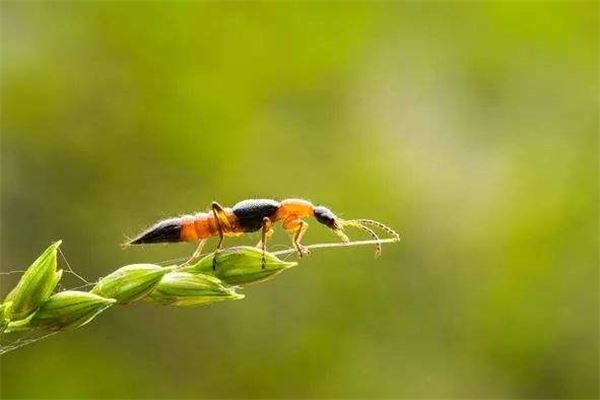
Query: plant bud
130	283
36	284
68	309
240	265
184	289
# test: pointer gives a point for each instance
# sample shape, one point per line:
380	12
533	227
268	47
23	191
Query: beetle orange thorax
294	208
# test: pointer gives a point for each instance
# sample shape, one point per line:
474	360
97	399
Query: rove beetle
251	216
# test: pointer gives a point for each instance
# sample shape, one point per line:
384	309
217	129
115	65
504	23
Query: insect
251	216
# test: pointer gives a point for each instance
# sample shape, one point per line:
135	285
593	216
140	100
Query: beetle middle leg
266	233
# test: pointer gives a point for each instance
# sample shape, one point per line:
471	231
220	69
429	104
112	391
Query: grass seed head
68	309
130	283
241	266
36	284
184	289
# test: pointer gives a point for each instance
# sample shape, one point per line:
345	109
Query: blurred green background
469	127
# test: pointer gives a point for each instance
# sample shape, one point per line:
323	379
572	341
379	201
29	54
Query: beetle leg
197	252
220	216
267	231
221	219
302	251
298	227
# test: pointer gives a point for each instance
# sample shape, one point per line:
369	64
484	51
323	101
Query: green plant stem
337	244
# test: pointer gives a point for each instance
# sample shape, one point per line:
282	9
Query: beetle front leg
302	250
298	227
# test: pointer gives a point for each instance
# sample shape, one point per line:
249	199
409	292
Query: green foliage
184	289
36	284
68	309
130	283
241	266
31	304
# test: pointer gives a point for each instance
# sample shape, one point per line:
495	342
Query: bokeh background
470	127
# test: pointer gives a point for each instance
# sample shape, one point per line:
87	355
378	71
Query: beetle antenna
378	224
355	223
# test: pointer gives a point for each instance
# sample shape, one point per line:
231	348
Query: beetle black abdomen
250	213
165	231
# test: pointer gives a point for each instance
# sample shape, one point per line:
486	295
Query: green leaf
241	266
36	284
130	283
69	309
184	289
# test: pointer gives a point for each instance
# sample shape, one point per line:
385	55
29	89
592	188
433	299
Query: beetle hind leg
221	219
302	250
